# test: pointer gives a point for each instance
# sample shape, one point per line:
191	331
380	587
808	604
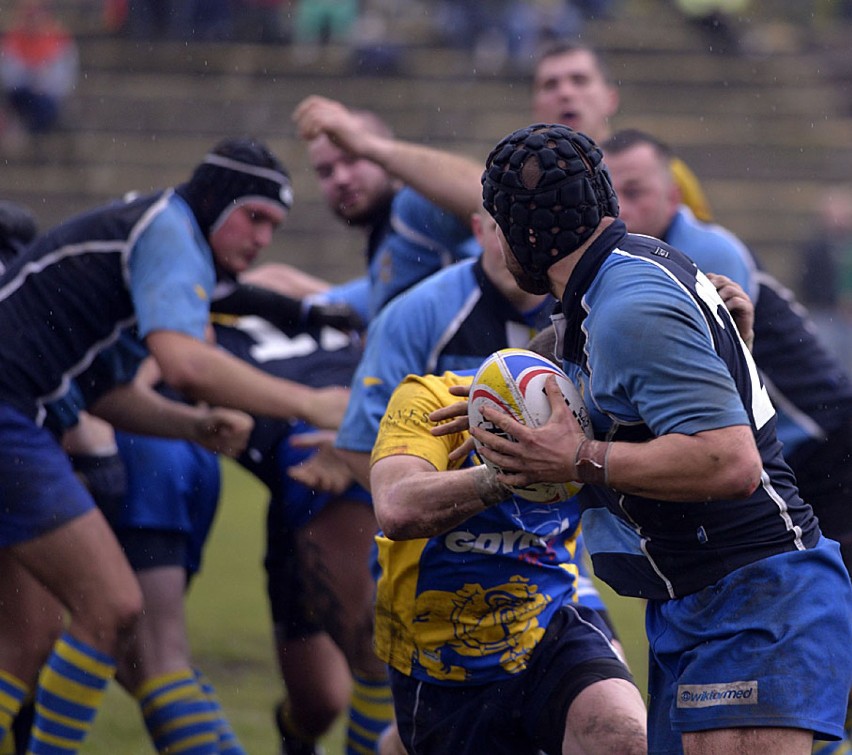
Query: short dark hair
628	138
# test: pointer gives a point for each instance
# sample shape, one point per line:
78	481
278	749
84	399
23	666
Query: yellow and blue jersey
469	605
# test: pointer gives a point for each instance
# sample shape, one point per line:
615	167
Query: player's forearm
136	409
359	465
224	380
449	180
426	504
708	466
285	279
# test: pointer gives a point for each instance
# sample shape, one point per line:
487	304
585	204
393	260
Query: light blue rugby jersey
653	350
419	239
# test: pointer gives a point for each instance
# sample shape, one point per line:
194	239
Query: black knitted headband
237	171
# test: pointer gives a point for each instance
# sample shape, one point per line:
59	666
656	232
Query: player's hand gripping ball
512	381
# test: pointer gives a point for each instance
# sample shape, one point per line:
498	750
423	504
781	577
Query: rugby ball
512	380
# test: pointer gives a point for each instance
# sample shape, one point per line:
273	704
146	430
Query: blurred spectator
138	19
498	32
39	65
535	23
718	21
319	22
201	20
185	20
260	21
826	278
377	47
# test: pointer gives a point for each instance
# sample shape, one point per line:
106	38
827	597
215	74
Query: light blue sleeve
423	239
355	293
399	341
652	360
172	275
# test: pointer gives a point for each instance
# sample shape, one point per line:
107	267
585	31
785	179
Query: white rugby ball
512	380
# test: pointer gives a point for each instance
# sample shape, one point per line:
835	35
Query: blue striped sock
841	747
370	712
228	742
178	715
70	689
12	694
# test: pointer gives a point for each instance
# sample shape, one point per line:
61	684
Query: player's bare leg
606	717
756	741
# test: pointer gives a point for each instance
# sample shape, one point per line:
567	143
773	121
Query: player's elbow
185	376
741	476
392	519
392	525
733	467
184	362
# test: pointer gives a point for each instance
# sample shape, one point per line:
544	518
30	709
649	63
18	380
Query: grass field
231	638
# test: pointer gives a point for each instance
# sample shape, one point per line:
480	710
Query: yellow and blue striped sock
70	689
832	748
12	694
370	711
178	715
228	742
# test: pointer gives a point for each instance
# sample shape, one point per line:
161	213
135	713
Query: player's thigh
81	563
744	741
607	716
334	556
335	550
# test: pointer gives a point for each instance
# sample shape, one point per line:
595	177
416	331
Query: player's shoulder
643	280
418	220
408	203
440	292
430	390
694	231
438	384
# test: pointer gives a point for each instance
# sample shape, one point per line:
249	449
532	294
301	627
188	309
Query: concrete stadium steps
761	131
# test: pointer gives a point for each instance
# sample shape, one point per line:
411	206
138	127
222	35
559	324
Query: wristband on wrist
591	462
488	488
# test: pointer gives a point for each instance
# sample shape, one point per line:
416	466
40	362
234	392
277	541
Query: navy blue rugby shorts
520	715
172	495
38	488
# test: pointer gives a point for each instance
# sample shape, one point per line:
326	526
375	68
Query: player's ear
476	226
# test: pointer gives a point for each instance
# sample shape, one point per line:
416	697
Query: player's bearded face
526	282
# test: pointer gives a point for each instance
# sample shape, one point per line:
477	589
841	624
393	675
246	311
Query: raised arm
449	180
